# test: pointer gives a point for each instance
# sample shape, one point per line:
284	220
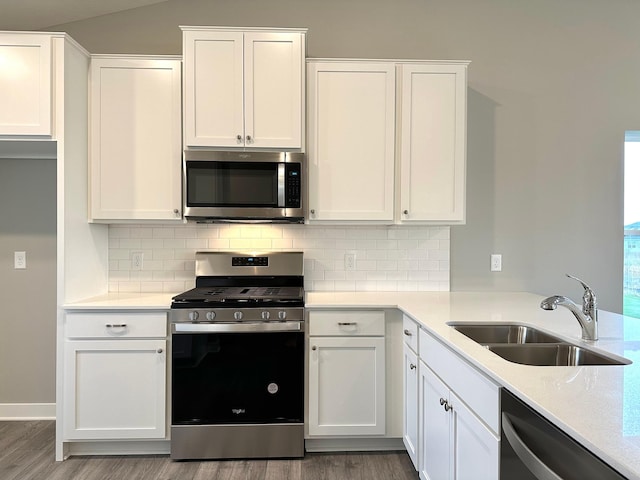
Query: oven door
245	373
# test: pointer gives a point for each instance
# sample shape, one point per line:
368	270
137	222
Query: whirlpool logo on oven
238	411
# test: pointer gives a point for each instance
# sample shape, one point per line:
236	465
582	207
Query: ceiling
39	14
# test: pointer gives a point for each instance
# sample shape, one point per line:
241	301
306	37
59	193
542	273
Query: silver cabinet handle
539	469
412	366
408	333
159	350
347	324
116	325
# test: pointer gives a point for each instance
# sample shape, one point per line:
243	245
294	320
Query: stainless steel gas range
237	363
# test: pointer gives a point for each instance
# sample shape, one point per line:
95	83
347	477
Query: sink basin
530	346
504	333
558	354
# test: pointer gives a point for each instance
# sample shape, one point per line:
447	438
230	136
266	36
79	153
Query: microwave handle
281	185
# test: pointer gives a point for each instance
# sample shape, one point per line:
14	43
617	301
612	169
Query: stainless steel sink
550	354
505	333
530	346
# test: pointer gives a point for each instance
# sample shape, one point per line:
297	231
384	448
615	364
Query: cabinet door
410	416
274	80
435	427
432	143
25	84
213	89
477	450
351	141
346	386
135	139
114	389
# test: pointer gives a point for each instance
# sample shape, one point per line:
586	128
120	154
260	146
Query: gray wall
28	297
552	88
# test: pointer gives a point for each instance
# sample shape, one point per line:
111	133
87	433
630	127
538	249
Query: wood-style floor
27	453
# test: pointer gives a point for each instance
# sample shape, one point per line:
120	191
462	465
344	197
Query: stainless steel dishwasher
532	448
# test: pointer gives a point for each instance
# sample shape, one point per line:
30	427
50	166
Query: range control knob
282	314
211	316
265	315
237	315
193	316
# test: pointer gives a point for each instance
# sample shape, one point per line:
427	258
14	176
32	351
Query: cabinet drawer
116	325
478	392
410	332
346	322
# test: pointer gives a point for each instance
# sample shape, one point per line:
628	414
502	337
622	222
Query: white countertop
597	405
124	301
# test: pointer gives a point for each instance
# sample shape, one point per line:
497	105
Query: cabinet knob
159	350
412	366
238	138
176	212
249	139
408	333
406	212
313	212
445	404
314	348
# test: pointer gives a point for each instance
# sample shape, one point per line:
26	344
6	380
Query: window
631	285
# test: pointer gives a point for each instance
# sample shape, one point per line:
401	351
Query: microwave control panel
293	185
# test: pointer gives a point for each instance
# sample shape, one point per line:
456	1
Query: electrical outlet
349	261
137	259
496	262
20	260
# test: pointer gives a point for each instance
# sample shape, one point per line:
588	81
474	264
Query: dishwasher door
532	448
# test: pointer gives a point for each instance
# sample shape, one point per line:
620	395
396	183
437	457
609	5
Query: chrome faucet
587	316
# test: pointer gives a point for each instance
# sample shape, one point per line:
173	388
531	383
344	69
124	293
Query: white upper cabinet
432	145
244	88
25	84
351	118
135	131
387	141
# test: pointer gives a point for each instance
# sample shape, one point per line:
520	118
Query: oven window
237	378
230	184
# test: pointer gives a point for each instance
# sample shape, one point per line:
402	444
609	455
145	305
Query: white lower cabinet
346	373
115	376
455	409
456	444
410	412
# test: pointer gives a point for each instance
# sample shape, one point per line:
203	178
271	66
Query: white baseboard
27	411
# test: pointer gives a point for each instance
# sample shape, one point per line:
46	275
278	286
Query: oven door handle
244	327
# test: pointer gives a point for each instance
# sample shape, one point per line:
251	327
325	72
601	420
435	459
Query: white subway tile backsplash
394	258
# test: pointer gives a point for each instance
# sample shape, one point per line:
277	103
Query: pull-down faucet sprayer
587	316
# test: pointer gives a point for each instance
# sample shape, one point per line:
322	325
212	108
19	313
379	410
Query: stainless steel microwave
243	187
